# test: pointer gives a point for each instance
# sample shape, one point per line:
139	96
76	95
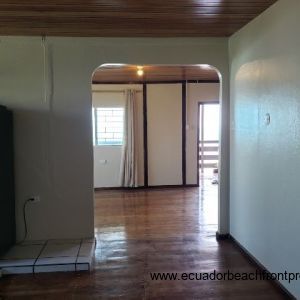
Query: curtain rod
112	91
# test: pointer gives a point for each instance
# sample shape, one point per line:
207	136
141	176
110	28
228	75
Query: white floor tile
51	256
16	262
64	241
40	242
86	255
84	260
23	252
54	268
86	249
82	267
60	250
56	261
16	270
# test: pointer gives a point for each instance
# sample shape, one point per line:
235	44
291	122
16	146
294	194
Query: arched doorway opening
167	134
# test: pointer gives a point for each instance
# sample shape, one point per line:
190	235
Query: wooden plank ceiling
128	18
154	73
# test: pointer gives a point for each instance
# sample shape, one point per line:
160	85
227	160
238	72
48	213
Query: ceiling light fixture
140	71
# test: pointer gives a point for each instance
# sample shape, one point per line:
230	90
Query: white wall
164	117
196	92
53	138
107	162
108	174
265	160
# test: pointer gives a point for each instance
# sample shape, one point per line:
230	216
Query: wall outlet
35	199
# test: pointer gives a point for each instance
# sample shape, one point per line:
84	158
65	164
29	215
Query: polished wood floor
138	232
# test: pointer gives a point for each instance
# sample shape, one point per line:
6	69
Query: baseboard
146	187
178	186
191	185
114	188
261	267
222	237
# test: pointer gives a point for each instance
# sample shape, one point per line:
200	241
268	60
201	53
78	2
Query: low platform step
49	256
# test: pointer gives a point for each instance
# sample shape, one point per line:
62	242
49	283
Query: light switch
267	119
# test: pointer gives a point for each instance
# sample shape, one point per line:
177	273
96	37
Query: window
108	125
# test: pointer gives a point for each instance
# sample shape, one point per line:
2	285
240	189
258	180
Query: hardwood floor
143	231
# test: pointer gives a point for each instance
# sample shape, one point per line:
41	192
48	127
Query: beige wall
164	116
265	160
196	92
53	137
107	159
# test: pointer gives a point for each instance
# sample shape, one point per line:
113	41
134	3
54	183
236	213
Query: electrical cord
25	220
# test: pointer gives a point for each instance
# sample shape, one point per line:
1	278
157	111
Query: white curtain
129	168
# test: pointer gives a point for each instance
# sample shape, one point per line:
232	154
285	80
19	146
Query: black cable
25	220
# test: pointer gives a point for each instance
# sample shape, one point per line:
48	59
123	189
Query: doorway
157	87
208	142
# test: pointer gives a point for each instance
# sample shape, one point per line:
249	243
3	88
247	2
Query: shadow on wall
38	172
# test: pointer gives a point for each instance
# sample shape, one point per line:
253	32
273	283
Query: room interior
48	54
166	152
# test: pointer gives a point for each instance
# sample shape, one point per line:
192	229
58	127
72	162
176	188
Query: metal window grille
108	126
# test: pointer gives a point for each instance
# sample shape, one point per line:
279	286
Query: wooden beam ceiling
128	18
154	73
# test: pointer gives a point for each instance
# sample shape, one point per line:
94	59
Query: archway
122	76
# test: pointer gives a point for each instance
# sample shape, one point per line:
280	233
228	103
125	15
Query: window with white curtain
108	126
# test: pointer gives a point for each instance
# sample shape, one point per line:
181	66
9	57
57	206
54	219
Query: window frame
96	138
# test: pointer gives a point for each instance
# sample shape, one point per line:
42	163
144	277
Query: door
208	140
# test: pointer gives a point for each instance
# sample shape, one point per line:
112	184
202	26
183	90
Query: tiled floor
48	256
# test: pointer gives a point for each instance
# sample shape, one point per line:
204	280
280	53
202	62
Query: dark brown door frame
145	133
198	134
183	99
